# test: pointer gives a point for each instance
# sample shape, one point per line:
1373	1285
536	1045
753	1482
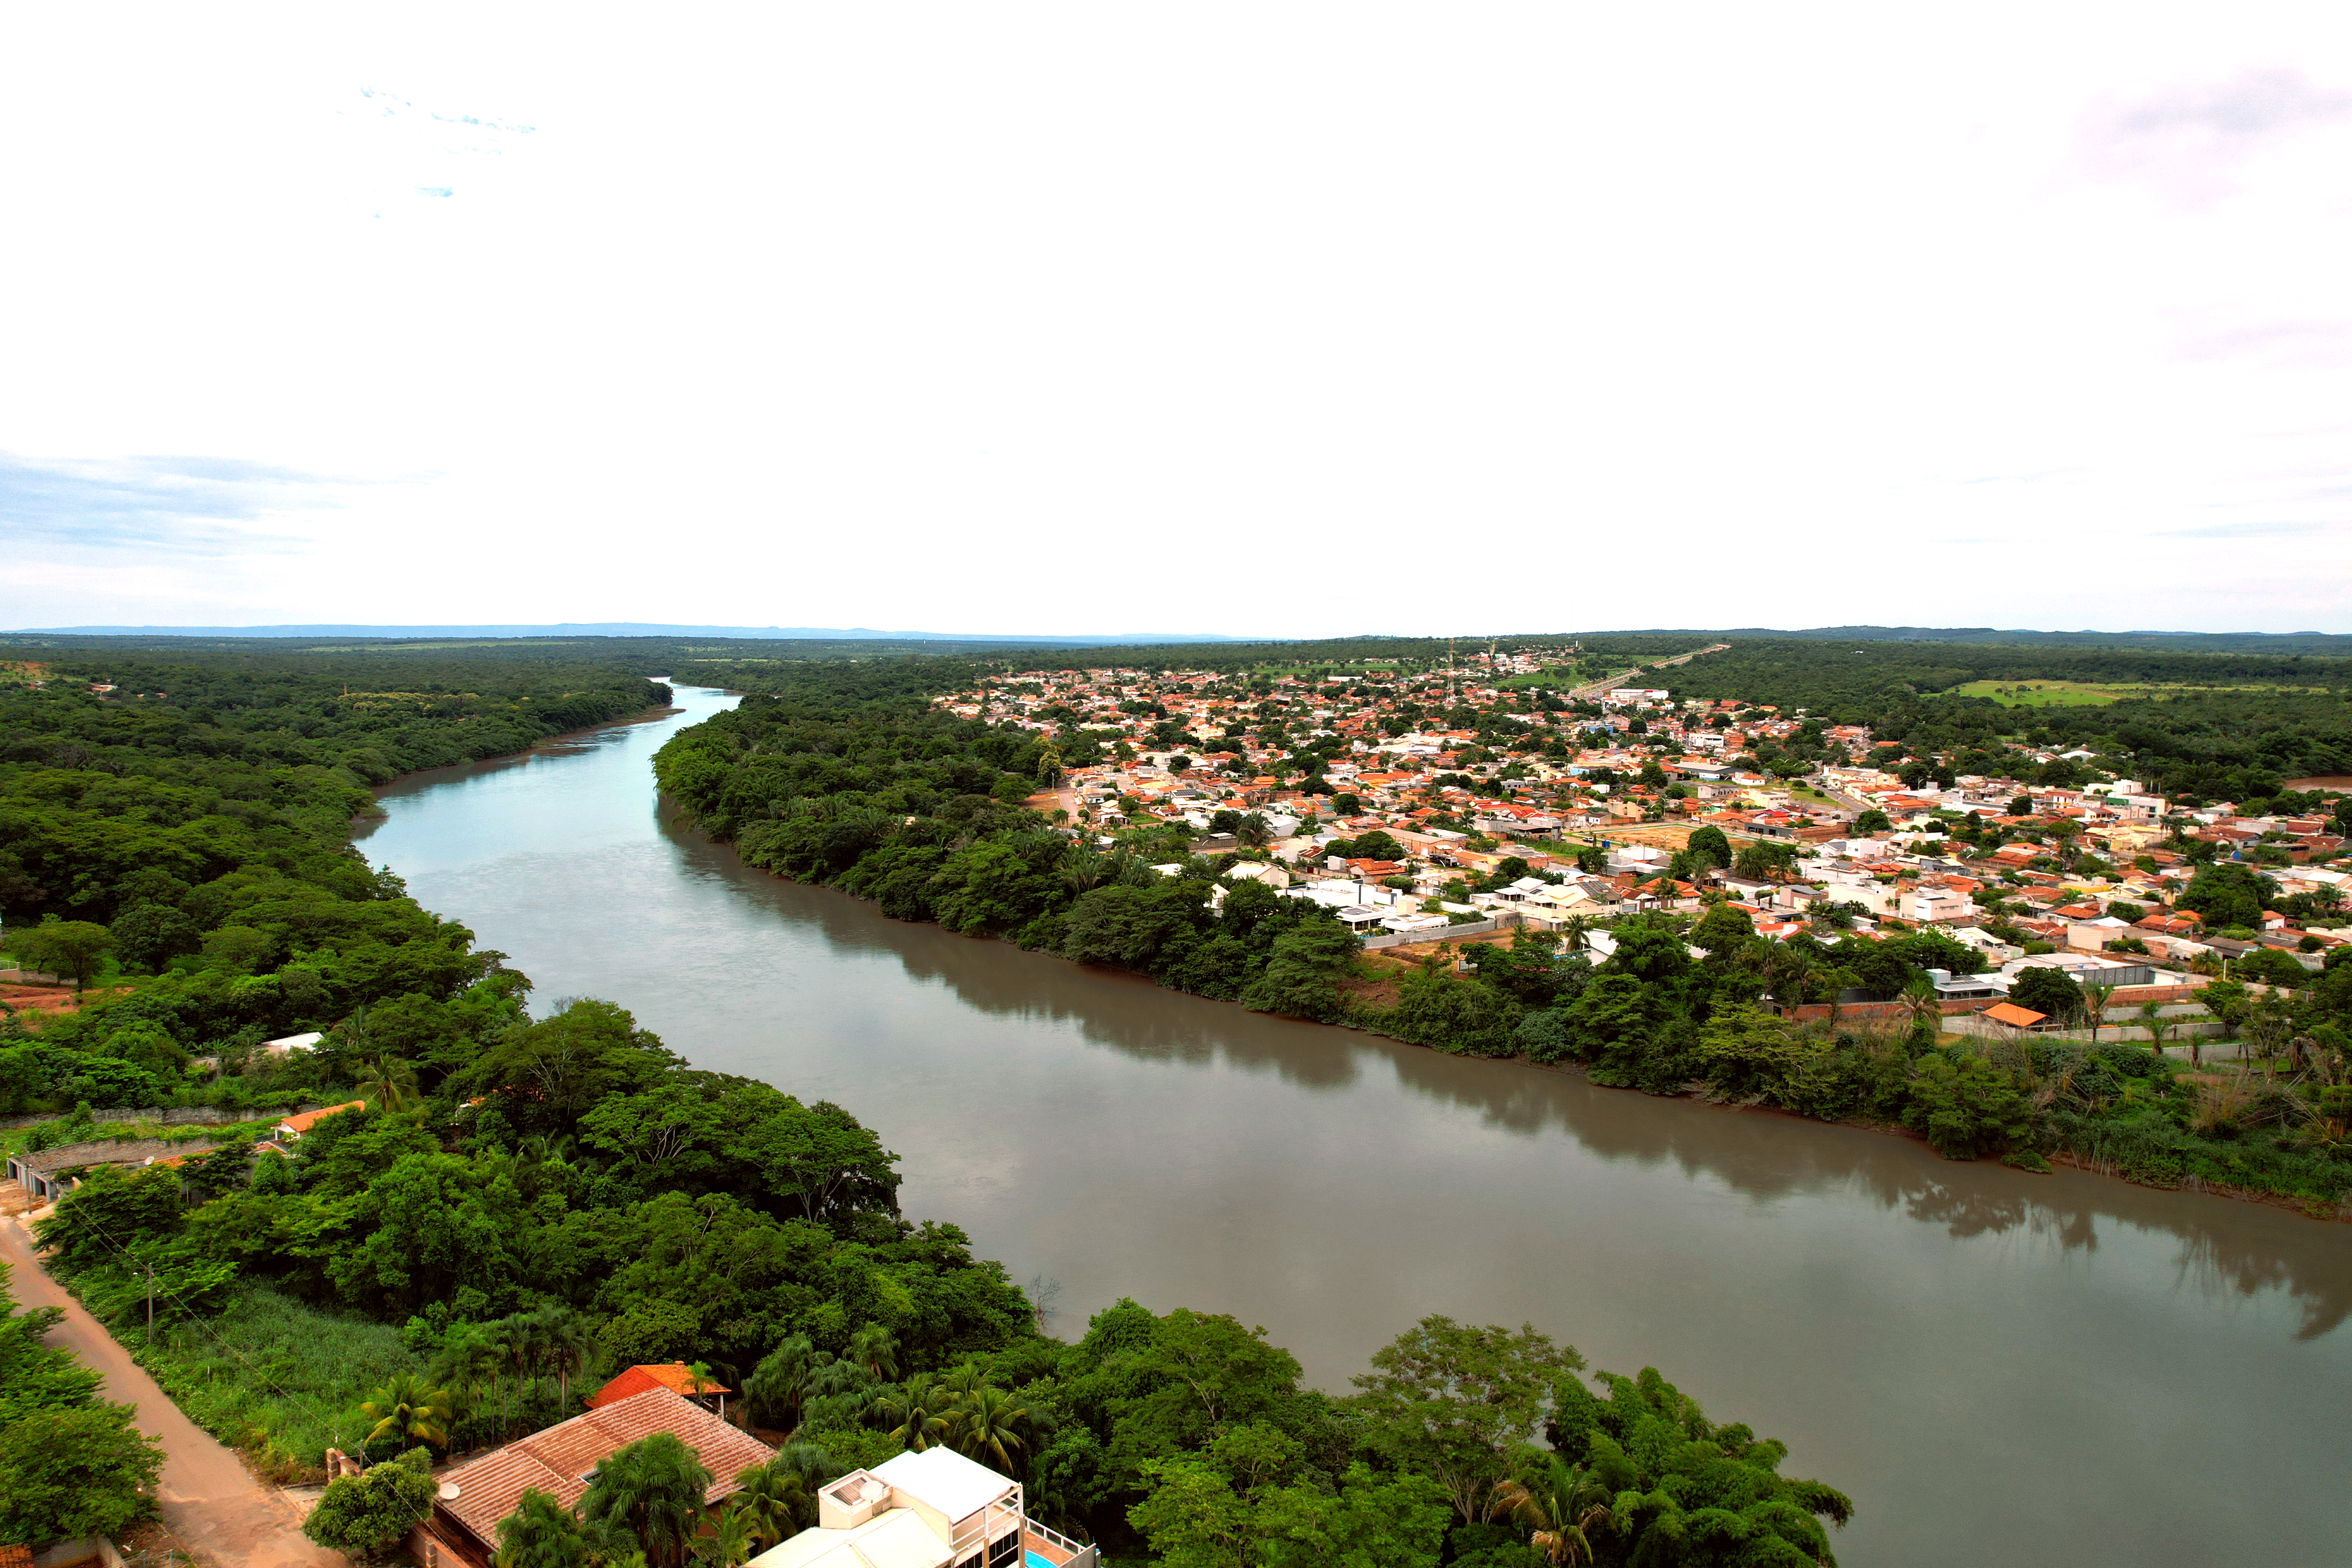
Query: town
1520	790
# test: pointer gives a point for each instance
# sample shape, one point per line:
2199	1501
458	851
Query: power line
335	1417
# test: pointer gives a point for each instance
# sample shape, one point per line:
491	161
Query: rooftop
558	1460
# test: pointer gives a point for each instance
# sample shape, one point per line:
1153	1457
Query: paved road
208	1497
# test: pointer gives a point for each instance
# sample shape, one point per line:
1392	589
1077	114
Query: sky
1292	320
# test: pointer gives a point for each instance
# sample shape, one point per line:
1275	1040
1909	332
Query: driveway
209	1499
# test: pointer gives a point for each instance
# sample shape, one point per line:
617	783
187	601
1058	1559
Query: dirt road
209	1499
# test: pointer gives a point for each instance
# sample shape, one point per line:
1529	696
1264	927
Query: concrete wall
1439	933
167	1116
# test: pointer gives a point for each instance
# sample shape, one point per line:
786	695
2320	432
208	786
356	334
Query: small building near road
49	1174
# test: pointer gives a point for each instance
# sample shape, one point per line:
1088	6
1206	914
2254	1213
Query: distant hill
637	630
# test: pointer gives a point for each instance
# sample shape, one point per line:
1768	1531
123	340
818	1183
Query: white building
932	1510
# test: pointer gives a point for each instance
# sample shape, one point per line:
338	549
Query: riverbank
555	745
1856	1295
2008	1112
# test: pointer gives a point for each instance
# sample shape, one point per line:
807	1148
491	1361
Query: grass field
2087	694
2047	693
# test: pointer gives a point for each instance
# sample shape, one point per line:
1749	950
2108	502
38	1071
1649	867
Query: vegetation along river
1996	1367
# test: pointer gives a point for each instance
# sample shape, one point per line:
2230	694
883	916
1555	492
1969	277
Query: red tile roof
558	1460
671	1375
2015	1016
298	1125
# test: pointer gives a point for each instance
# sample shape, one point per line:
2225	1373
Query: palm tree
988	1425
876	1348
774	1496
653	1489
731	1539
779	1385
2152	1018
390	1081
465	1361
963	1381
1921	1007
565	1344
1558	1504
2095	1006
541	1534
919	1410
515	1339
411	1409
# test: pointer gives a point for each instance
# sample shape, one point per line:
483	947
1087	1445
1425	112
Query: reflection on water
2140	1376
2224	1248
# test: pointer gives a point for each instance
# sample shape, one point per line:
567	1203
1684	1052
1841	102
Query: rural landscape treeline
522	1203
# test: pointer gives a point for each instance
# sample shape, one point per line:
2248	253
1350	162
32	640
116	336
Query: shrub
1966	1108
67	1472
365	1513
1542	1037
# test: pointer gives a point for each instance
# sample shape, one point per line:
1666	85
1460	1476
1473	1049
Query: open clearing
2089	694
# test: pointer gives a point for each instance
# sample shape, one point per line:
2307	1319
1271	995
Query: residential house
673	1375
561	1461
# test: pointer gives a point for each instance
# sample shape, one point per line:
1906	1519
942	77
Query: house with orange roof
292	1129
473	1495
673	1375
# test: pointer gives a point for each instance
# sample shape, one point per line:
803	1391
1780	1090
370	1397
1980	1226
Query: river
1996	1367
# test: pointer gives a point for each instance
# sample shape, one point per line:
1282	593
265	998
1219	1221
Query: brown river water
1997	1367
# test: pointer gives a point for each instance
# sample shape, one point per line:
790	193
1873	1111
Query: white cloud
1062	318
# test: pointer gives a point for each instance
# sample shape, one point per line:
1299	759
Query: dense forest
2198	726
519	1207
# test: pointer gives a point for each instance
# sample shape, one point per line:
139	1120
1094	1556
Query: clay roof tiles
556	1460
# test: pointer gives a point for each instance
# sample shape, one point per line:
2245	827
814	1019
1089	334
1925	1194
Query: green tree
364	1514
69	1464
876	1348
1707	843
1302	974
75	949
1872	823
2096	999
1968	1107
1724	931
989	1424
542	1533
1753	1053
152	934
409	1410
775	1499
1462	1404
1560	1504
68	1472
389	1083
733	1536
2227	893
1768	862
1683	1489
652	1488
919	1411
2044	989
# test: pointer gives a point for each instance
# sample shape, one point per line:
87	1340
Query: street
207	1496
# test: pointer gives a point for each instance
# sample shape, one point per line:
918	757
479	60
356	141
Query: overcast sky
1268	319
